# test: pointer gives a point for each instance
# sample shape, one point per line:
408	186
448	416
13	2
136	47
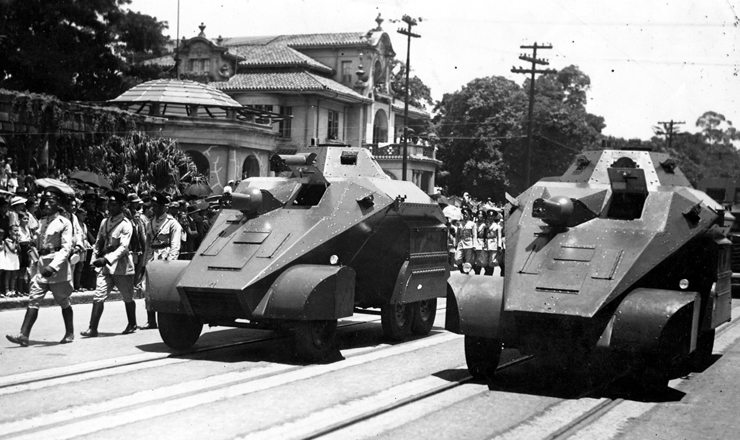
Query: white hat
17	200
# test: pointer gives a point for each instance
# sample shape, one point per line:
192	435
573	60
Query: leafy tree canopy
419	94
483	131
76	50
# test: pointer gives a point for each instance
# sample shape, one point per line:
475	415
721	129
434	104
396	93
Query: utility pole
533	70
410	23
668	130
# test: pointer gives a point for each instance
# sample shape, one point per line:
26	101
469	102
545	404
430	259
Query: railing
389	150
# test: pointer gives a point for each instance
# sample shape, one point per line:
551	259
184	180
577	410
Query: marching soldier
116	266
164	242
51	270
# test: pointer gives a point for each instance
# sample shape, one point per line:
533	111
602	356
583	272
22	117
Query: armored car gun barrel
330	235
619	258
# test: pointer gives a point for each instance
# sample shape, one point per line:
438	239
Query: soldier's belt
47	251
159	245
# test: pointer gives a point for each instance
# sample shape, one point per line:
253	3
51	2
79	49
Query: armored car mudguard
619	255
330	235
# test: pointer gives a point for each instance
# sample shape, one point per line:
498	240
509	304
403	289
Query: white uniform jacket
54	245
112	244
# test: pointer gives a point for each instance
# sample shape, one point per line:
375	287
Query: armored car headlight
333	260
683	284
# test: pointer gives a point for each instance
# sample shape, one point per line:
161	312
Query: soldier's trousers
61	291
106	283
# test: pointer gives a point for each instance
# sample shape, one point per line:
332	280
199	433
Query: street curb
78	297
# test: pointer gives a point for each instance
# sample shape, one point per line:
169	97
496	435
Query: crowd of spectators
20	214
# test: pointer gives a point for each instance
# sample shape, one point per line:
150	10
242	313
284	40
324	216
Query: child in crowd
13	182
26	236
8	262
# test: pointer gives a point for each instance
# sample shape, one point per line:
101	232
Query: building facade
312	89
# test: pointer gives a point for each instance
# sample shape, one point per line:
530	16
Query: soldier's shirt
165	234
112	244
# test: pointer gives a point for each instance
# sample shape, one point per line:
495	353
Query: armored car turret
330	235
619	256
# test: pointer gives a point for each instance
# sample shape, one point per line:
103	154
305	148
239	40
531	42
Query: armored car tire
314	340
179	331
424	314
482	356
397	320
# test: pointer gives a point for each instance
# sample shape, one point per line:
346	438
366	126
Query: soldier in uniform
139	242
51	271
164	241
115	264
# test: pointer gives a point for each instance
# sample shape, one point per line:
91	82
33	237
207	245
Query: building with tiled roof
328	88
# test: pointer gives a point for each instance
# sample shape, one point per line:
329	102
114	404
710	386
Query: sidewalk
78	297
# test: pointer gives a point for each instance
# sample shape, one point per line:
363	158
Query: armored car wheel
314	340
397	320
482	356
424	314
179	331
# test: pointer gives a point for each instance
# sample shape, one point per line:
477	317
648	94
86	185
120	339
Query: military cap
134	198
160	198
116	195
90	196
53	191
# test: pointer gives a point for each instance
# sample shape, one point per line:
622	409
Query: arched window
201	162
380	127
250	167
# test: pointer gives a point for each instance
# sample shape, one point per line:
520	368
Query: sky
649	61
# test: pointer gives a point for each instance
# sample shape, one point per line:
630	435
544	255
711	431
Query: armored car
330	235
619	257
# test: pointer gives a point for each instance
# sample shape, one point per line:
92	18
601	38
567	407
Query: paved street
245	384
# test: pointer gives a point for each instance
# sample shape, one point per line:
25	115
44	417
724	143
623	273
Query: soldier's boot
69	327
151	320
97	312
131	315
22	337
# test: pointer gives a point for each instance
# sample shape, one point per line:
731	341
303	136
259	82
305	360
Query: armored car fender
309	292
474	308
161	287
652	321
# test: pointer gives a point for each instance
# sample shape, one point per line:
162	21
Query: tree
716	129
66	48
475	125
141	161
419	94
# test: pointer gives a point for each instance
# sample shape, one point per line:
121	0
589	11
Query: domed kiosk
211	127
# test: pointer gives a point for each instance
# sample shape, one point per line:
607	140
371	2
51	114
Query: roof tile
275	55
285	81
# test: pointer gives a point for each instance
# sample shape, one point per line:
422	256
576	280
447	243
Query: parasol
47	182
452	212
199	189
91	178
